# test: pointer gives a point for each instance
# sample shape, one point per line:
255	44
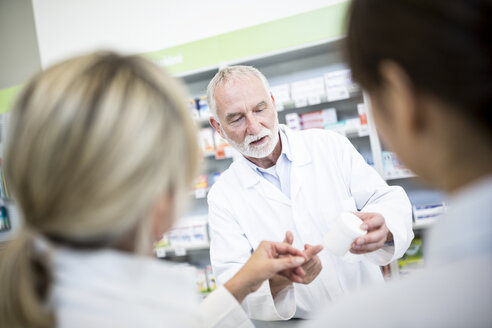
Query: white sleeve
372	194
221	310
229	251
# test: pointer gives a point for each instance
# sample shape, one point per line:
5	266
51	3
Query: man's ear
273	100
216	125
401	99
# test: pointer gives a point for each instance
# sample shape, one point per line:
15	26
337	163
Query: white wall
19	57
68	27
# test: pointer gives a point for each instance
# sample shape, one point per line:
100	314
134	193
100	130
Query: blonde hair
231	73
94	142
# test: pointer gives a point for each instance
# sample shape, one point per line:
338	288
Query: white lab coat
328	176
454	290
114	289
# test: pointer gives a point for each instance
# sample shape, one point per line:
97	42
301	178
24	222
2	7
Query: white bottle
347	228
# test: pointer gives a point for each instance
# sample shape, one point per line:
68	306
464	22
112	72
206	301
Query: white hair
228	74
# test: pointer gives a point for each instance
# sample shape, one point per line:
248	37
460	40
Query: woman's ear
400	97
162	216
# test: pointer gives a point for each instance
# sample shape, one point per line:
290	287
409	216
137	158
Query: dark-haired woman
427	67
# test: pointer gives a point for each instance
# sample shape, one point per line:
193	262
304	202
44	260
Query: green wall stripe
7	97
297	30
316	25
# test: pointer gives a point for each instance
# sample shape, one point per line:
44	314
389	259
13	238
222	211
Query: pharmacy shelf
341	105
313	49
423	224
201	193
169	251
401	174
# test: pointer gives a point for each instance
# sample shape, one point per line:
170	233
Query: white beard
261	151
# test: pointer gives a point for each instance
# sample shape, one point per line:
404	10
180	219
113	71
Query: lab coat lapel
298	178
251	179
268	190
301	162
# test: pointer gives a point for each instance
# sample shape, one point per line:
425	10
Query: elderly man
293	185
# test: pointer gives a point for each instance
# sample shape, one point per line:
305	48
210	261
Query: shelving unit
174	251
424	224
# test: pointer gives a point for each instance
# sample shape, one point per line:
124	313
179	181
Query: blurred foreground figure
427	66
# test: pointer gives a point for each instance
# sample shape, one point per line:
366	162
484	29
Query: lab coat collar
297	153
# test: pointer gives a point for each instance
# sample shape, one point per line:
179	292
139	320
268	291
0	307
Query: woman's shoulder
96	288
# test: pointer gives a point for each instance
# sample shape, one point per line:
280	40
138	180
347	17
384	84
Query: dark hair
445	47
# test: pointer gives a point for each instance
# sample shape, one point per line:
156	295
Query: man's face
247	116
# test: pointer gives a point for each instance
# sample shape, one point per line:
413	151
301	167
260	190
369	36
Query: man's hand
309	270
313	266
306	273
377	233
269	259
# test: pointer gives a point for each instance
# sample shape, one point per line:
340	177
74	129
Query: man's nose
253	125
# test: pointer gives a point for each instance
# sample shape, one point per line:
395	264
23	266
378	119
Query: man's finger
375	221
311	251
367	248
292	276
363	215
299	271
371	237
289	237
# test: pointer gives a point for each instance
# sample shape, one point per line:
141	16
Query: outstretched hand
312	267
269	259
307	272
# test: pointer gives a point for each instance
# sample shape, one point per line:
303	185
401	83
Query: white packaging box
175	237
203	108
316	90
293	121
220	143
338	84
329	116
361	109
338	127
309	91
199	234
186	236
206	140
199	229
281	94
338	78
424	212
298	93
352	125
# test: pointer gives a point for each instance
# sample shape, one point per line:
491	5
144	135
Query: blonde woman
99	159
